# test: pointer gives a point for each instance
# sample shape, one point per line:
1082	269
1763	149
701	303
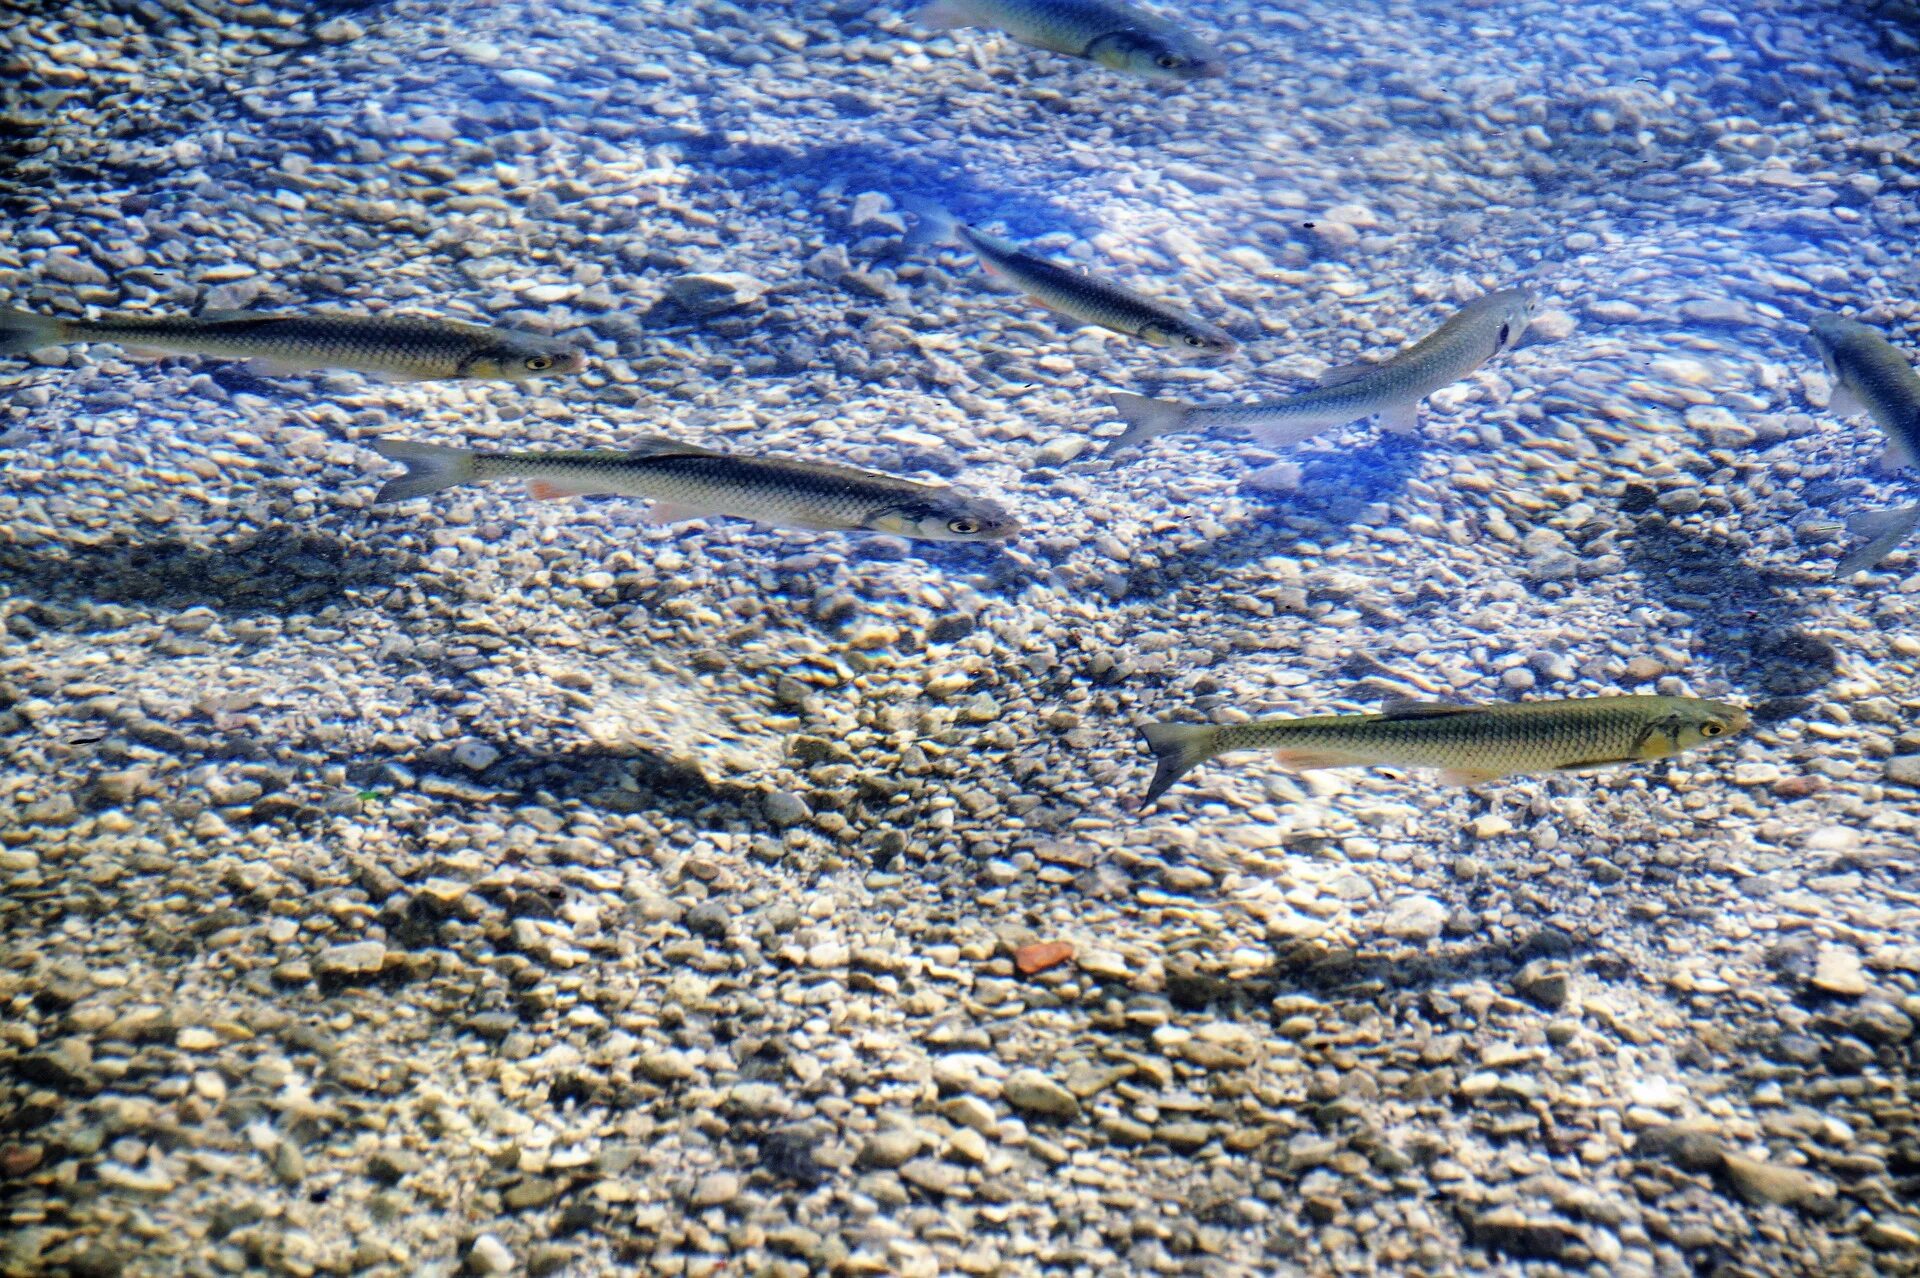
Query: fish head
946	516
1196	337
1689	723
1146	53
1830	333
1512	312
514	357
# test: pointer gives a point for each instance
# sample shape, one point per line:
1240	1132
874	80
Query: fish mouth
569	362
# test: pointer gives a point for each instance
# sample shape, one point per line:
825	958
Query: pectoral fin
945	15
1401	419
1895	455
1844	403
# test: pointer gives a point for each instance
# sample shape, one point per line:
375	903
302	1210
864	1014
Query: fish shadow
1336	487
1745	618
279	570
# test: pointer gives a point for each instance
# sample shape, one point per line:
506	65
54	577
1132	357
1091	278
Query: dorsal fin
1405	709
661	446
1341	374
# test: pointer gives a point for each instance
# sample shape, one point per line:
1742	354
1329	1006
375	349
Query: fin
1341	374
932	224
666	512
1404	708
1145	417
1177	748
1843	402
1885	530
1400	419
1311	760
430	468
945	15
660	446
1895	455
554	490
1469	776
21	332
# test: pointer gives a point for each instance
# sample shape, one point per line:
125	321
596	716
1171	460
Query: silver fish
687	482
401	348
1870	375
1113	33
1391	389
1884	531
1093	301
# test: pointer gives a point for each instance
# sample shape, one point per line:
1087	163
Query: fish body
397	347
1391	389
1113	33
1093	301
686	482
1468	744
1883	530
1873	376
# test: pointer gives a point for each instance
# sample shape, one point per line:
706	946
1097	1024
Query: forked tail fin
1145	417
1177	747
1884	531
430	468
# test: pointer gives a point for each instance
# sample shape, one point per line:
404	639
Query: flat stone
355	958
715	1189
1032	1092
1416	918
1761	1182
1837	971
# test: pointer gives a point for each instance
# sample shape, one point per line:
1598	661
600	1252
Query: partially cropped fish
1469	744
686	482
1113	33
1391	389
1884	531
401	348
1870	375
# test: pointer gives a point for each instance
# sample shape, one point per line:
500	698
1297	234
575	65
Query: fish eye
1195	341
1167	61
1712	729
540	363
965	525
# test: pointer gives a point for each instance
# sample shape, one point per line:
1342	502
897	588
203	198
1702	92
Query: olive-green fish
1469	744
686	482
1093	301
1113	33
1392	388
400	348
1870	375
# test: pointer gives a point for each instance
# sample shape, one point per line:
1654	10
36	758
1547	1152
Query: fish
1870	375
1469	744
1113	33
687	482
1390	389
1884	531
400	348
1080	296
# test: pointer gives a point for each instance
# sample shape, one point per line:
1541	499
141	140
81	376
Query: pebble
716	292
1837	971
488	1255
1416	918
1759	1181
715	1189
355	958
1032	1092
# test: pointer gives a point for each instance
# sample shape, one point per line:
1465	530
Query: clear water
497	884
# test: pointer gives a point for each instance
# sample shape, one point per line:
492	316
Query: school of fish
1466	744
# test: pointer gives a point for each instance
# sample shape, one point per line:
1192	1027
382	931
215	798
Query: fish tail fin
21	332
1884	530
1177	748
1145	417
932	225
430	468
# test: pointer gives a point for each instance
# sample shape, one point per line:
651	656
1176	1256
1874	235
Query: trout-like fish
1092	301
1870	375
401	348
1469	744
1113	33
686	482
1391	389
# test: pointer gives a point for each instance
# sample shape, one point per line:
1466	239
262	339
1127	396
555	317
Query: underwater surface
785	638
